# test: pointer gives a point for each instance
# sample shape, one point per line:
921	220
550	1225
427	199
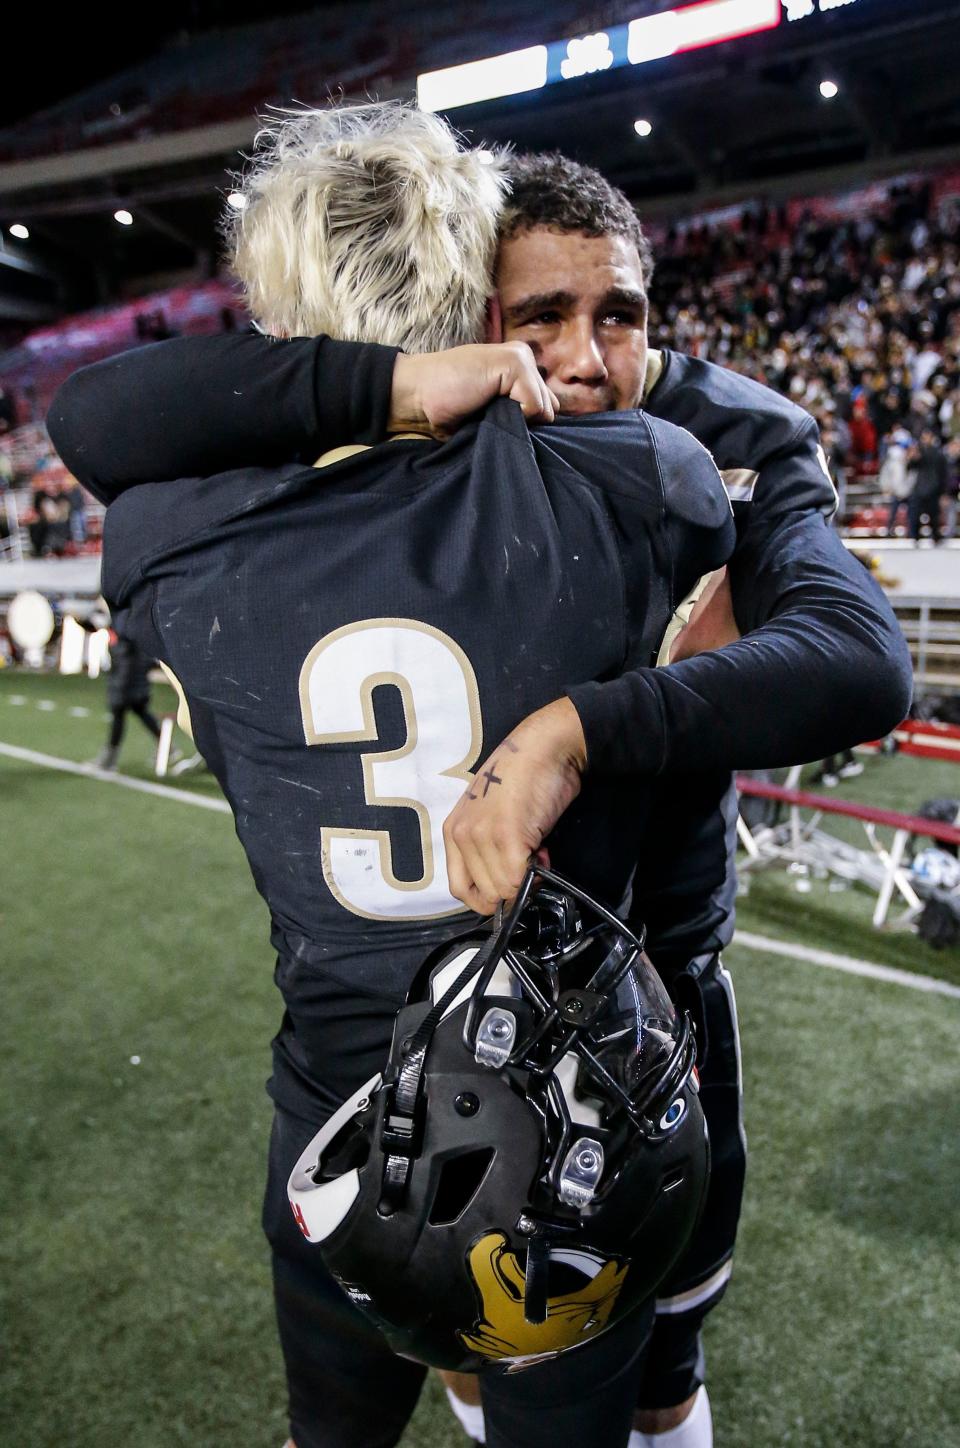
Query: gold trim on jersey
183	708
654	369
349	450
682	614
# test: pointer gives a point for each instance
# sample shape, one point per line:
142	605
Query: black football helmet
534	1158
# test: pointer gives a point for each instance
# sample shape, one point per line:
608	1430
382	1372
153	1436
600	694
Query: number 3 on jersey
428	773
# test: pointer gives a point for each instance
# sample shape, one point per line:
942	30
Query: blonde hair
367	223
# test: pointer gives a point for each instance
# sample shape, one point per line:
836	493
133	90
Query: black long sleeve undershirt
196	406
823	666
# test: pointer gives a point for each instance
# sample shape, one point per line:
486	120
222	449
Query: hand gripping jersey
352	643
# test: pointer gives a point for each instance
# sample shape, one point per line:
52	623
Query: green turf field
138	1008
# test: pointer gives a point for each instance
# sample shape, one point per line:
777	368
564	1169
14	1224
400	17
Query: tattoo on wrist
490	777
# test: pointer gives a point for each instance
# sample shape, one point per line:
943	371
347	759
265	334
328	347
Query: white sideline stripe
847	963
103	776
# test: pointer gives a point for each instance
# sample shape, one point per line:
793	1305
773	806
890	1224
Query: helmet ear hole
459	1181
348	1151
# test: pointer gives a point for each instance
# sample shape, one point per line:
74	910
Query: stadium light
237	200
650	37
829	89
124	218
19	231
655	36
643	128
480	80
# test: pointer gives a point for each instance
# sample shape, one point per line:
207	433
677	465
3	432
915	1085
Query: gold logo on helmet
503	1333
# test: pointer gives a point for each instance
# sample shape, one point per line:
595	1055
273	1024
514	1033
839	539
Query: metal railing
931	627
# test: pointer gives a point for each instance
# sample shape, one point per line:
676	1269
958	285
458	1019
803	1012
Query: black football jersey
353	642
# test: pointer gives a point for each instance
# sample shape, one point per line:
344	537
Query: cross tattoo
490	777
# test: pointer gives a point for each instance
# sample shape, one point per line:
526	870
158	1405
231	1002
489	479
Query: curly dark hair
548	189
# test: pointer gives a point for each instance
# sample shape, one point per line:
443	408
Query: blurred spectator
49	525
56	512
77	503
835	436
932	481
895	480
952	452
128	691
863	435
886	408
927	361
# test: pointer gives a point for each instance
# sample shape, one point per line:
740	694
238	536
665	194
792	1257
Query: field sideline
138	1012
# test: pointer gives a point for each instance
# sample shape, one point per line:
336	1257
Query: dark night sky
45	60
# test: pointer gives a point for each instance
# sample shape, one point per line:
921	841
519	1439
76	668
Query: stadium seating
850	305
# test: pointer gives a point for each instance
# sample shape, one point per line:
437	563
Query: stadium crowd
858	321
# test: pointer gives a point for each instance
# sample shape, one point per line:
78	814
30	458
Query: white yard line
849	964
89	771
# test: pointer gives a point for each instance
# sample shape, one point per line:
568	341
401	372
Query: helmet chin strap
536	1278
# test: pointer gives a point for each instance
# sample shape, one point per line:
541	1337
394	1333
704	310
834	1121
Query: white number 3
428	773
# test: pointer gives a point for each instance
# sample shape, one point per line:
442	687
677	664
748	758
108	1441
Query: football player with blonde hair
368	223
452	593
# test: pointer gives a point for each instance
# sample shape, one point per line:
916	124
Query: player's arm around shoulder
525	785
197	406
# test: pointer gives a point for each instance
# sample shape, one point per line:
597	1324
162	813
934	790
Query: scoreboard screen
649	37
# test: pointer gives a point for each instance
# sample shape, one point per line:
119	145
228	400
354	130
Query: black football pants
347	1389
674	1364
